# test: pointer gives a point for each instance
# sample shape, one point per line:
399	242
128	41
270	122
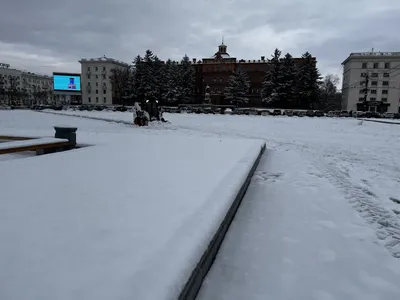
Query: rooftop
103	59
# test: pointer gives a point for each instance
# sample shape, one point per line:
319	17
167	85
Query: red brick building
215	73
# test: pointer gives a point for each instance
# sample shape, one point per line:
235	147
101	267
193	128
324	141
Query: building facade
95	80
24	88
215	71
371	82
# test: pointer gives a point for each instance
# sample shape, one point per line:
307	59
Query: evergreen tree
186	80
238	88
172	92
148	77
288	84
272	84
309	82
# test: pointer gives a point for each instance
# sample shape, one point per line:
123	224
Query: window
374	74
97	84
384	99
88	76
88	68
104	92
374	82
97	76
96	68
387	65
385	74
104	68
105	99
385	92
385	83
97	99
89	100
361	99
362	91
104	76
363	74
376	66
97	91
373	91
364	65
372	99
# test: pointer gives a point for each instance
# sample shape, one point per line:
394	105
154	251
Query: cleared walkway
296	237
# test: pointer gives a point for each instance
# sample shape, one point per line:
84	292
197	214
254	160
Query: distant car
265	113
227	111
301	113
344	114
277	112
252	112
388	115
289	113
310	113
319	113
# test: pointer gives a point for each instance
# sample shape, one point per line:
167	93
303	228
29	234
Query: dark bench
41	145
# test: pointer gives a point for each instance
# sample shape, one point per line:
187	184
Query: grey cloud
61	32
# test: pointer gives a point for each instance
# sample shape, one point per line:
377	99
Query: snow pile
128	217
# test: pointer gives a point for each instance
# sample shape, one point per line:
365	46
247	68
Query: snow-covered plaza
128	216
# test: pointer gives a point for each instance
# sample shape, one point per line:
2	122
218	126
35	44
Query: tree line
287	83
150	78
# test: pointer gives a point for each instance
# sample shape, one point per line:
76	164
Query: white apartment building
25	82
95	79
375	75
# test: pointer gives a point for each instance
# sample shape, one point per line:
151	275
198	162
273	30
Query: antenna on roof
222	40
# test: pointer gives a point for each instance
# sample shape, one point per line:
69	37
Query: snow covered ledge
134	221
181	279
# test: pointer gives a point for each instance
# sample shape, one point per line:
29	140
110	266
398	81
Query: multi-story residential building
36	88
24	88
371	82
95	80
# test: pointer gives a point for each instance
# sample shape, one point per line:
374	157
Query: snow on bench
32	145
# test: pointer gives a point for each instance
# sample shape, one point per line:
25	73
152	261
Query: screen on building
67	82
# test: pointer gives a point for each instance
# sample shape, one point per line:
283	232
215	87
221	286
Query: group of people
153	112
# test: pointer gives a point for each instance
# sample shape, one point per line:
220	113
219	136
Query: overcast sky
51	35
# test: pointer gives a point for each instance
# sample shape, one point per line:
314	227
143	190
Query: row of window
361	99
97	100
384	83
384	92
376	65
95	69
97	91
97	76
97	84
375	74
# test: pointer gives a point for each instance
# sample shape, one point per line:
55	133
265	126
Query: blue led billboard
67	82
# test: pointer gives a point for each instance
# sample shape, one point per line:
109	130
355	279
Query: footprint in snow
395	200
265	176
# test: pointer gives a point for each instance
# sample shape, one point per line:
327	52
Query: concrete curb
196	279
382	122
